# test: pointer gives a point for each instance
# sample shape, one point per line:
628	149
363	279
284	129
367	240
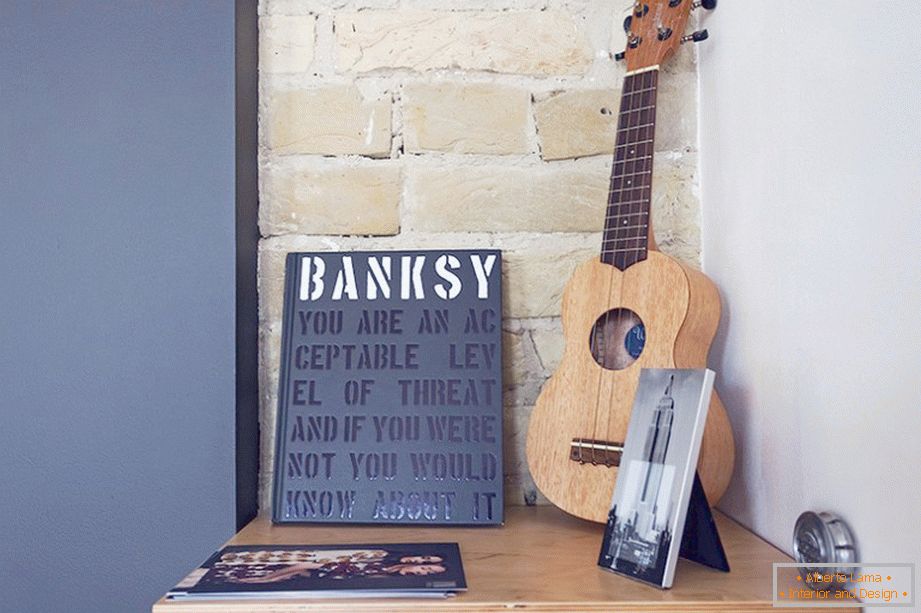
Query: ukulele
632	308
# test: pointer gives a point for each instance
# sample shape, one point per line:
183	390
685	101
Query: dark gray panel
247	236
116	296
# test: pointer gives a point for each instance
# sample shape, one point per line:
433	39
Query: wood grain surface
680	309
541	560
645	46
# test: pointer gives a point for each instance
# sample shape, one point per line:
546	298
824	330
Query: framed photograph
642	538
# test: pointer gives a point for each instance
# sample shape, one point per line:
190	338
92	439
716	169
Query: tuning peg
619	56
706	4
695	37
628	20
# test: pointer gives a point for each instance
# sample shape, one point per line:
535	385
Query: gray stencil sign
390	391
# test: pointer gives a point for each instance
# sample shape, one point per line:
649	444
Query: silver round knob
823	538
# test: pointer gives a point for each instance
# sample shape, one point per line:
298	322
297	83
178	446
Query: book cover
326	571
642	538
390	389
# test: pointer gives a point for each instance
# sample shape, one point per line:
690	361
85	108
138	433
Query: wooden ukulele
632	308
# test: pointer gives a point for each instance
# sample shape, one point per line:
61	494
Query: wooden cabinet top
540	560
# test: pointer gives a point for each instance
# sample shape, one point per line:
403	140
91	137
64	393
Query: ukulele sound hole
617	339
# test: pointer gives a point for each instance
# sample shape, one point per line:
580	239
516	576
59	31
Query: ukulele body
679	308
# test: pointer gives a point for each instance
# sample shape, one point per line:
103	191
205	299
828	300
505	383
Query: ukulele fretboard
626	227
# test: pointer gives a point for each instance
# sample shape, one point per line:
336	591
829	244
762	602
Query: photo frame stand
700	540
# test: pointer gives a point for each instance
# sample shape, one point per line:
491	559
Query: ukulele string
600	353
646	102
624	195
626	108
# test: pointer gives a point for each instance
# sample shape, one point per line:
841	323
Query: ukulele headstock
655	29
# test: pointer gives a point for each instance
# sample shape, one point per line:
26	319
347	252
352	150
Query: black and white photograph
657	472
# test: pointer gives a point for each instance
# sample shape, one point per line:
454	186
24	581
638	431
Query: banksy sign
390	391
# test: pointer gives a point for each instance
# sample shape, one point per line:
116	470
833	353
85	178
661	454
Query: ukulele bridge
591	451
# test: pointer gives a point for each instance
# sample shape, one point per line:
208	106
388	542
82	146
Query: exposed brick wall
457	124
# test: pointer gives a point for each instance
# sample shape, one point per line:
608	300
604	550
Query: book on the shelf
398	570
390	389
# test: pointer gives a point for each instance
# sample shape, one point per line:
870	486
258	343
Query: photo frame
658	489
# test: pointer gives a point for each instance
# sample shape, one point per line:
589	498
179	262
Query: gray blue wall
116	298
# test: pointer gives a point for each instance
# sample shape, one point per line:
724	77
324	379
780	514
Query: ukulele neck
626	229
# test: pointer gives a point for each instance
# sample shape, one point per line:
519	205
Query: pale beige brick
538	198
520	358
330	120
547	335
269	364
286	43
303	7
515	426
465	118
519	485
522	375
402	242
536	265
676	111
331	199
551	198
468	5
577	123
525	42
271	288
536	269
676	207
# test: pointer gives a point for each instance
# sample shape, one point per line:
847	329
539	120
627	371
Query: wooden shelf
540	560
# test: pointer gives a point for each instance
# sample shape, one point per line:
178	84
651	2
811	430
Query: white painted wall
810	117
